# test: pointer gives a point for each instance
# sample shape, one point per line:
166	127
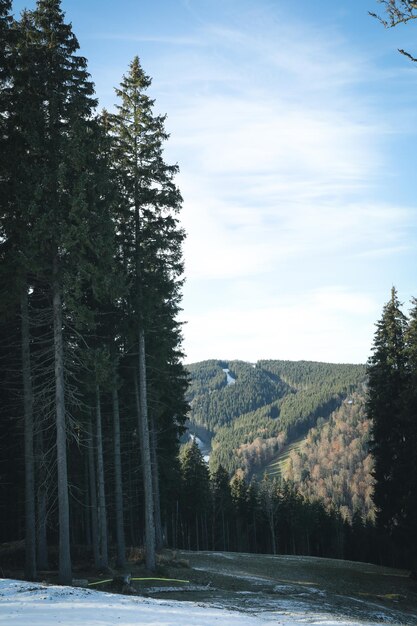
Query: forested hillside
215	403
334	465
273	403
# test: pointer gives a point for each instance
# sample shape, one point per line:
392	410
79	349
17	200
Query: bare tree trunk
255	538
272	528
65	573
146	458
41	534
131	491
93	495
41	502
87	516
30	514
159	539
102	513
118	489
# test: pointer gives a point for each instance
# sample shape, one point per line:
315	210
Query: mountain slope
268	411
333	463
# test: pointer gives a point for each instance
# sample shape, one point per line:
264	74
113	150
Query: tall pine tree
150	255
60	215
387	374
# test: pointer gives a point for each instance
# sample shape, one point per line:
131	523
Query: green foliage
254	388
392	408
387	381
248	442
195	477
205	376
268	407
261	516
89	224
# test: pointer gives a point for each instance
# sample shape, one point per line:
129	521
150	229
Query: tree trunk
65	574
102	513
197	539
30	516
41	502
159	539
93	495
87	517
146	458
41	534
272	528
118	489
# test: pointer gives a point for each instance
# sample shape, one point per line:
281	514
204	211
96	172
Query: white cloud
283	169
311	326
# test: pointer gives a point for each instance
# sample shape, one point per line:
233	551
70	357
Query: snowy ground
225	588
23	604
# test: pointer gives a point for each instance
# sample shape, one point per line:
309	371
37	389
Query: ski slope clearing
226	589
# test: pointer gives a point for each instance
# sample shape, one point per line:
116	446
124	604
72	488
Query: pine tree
195	493
16	124
6	64
60	211
387	380
408	460
150	255
221	509
269	500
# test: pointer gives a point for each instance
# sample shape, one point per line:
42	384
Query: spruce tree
18	118
408	460
195	494
150	255
222	507
60	213
387	379
6	63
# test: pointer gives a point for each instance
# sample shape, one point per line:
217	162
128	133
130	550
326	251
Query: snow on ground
203	447
36	604
229	379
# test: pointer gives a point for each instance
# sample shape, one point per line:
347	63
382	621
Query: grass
279	464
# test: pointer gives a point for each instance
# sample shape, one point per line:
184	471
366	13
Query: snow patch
23	603
229	379
203	447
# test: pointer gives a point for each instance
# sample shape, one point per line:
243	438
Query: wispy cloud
287	178
137	37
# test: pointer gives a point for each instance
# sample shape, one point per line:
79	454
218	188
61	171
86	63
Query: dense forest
270	404
303	461
334	464
91	384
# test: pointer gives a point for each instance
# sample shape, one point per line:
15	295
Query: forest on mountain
328	481
271	404
333	465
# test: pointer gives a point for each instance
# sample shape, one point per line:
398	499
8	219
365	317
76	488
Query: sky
294	127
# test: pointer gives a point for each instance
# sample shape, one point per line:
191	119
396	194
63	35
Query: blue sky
294	126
